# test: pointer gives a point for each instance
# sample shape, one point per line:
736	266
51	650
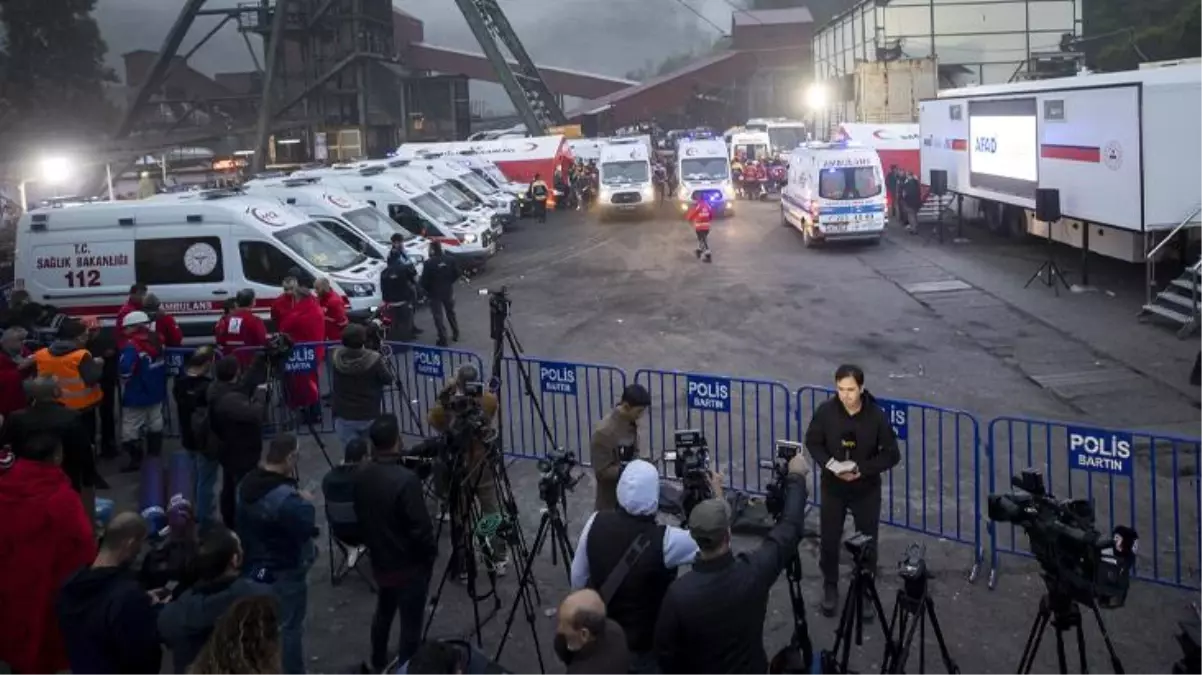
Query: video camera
691	463
555	475
913	571
774	498
278	349
1074	556
467	412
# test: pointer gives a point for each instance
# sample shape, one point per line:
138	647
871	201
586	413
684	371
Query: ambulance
194	254
703	170
502	206
835	192
355	222
750	145
396	194
624	174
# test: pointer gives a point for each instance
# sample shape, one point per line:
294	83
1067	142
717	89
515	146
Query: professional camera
555	475
913	571
278	349
376	321
860	546
774	498
467	412
1074	556
691	463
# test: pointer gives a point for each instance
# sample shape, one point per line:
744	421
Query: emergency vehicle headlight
728	192
359	290
470	238
648	192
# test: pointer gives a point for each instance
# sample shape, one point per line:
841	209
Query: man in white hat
144	379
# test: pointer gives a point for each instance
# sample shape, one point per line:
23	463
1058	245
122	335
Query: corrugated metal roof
769	17
621	95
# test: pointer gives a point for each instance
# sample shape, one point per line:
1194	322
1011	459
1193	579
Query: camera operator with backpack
236	406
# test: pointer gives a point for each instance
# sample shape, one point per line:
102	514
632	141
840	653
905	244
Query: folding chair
341	516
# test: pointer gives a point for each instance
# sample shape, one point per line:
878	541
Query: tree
1120	34
52	72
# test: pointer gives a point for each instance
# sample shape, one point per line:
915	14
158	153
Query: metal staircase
934	205
1181	301
535	104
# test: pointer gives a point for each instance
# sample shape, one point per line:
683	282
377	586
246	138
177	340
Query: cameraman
851	439
618	430
712	619
236	409
478	473
606	558
359	376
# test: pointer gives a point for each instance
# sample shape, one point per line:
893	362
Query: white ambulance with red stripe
1121	149
193	254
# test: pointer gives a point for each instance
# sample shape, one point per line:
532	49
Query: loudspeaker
938	182
1047	204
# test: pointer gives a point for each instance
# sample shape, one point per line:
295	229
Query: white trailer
1121	148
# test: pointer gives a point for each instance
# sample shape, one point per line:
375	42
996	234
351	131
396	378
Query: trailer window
849	183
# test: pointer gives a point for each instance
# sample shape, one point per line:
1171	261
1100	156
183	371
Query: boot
697	252
134	450
707	257
830	599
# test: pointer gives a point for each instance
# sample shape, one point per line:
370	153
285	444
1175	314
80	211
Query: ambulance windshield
785	138
751	151
375	225
705	168
437	209
477	183
852	182
452	196
616	173
320	248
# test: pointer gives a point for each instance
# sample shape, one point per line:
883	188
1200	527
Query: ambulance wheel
807	238
784	221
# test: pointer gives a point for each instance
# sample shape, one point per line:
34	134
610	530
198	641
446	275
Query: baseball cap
709	522
135	318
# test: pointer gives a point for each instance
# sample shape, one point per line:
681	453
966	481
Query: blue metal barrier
574	397
741	418
421	373
1147	481
936	489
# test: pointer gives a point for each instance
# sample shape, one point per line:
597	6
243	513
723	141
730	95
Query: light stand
1049	273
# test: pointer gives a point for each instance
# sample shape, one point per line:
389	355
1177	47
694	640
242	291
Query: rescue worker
137	293
78	373
162	324
661	182
144	377
736	174
438	279
700	215
305	322
540	194
334	309
281	306
241	328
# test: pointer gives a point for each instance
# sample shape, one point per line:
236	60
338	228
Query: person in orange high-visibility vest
78	372
700	214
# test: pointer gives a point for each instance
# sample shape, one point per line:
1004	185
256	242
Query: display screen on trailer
1003	146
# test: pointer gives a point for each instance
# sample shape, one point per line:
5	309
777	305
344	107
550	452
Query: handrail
1188	219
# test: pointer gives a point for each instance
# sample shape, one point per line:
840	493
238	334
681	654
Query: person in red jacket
45	536
162	324
137	295
305	322
15	368
241	329
282	306
334	307
700	214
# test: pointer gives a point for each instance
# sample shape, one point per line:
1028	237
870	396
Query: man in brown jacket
619	429
479	470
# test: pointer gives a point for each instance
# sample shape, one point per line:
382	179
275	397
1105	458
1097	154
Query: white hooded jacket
638	494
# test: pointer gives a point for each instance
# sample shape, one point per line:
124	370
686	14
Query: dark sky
603	36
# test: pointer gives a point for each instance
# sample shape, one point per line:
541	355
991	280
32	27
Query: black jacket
866	438
712	619
50	417
190	392
358	381
108	623
635	605
397	279
393	516
438	277
338	489
237	421
607	653
186	622
911	193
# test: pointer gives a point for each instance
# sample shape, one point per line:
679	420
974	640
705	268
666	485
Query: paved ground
631	294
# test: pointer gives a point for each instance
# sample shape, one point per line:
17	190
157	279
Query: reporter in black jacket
712	619
853	444
396	528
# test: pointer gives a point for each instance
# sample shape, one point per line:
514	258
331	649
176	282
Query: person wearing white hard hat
144	389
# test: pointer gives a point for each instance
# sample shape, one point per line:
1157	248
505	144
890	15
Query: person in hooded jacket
358	381
852	441
606	539
43	514
305	323
144	378
236	409
186	623
191	393
107	618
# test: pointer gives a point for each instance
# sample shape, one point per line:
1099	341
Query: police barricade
421	373
1142	480
573	397
936	488
740	418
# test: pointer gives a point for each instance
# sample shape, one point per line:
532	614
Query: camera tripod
386	353
551	526
1058	608
851	620
910	616
801	629
275	384
502	334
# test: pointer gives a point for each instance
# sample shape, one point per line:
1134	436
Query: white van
354	221
503	206
491	173
750	145
624	174
414	208
703	169
193	254
835	191
463	203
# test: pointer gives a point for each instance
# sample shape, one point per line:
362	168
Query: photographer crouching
464	414
712	619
